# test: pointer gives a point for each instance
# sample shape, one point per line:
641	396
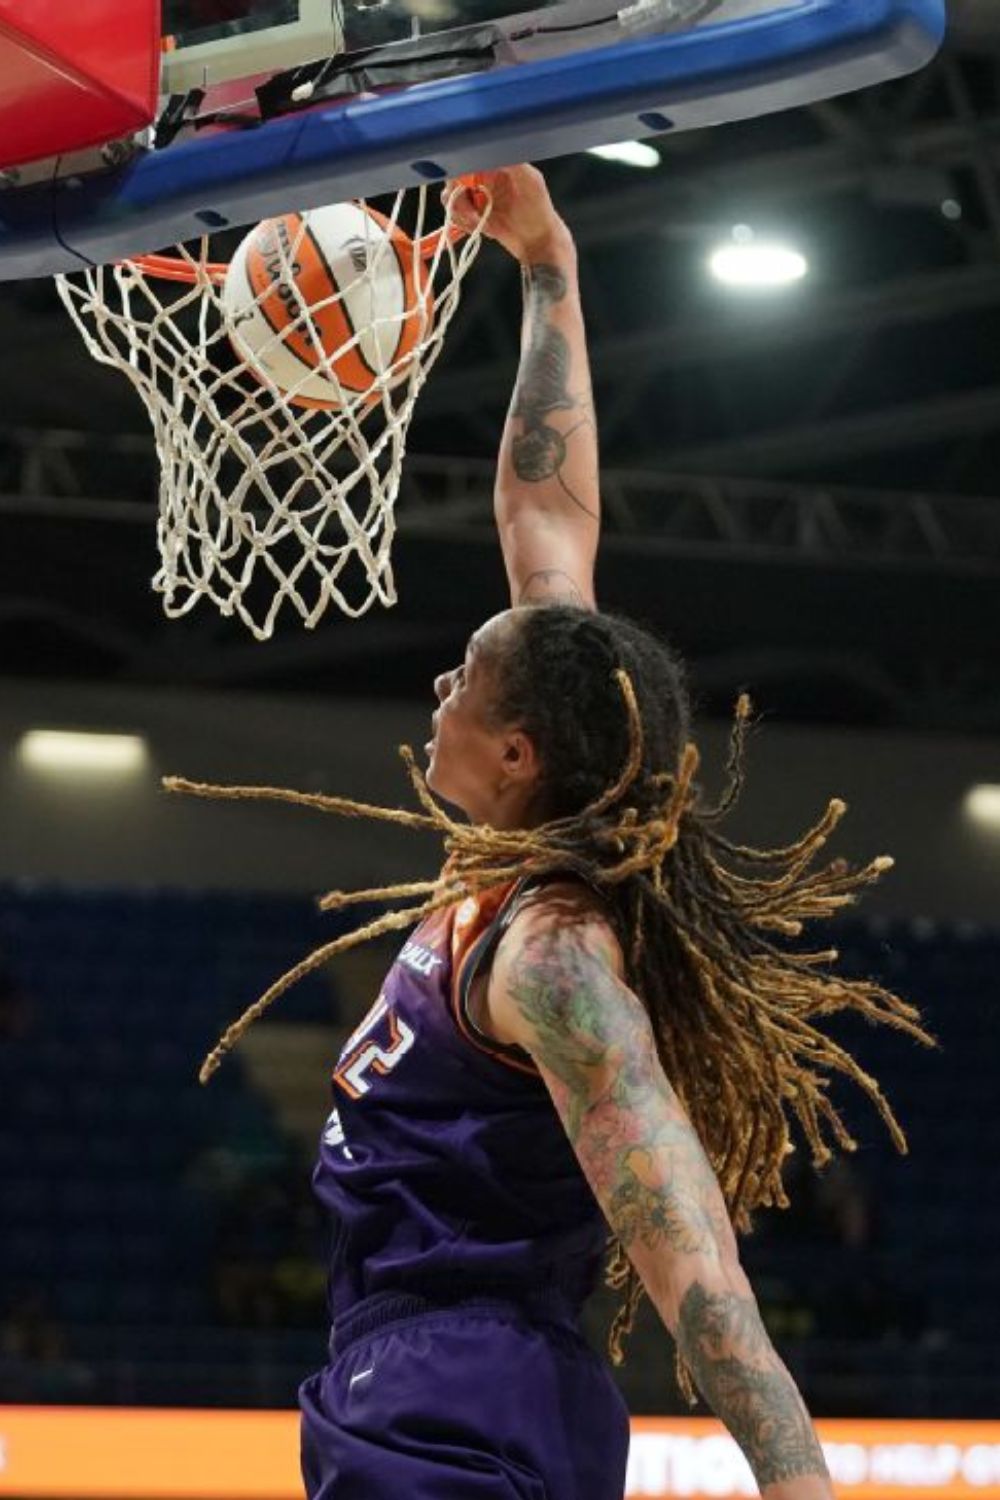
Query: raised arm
557	990
547	496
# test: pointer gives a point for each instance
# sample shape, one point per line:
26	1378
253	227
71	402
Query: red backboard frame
74	76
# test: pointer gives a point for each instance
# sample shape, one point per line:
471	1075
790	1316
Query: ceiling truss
78	478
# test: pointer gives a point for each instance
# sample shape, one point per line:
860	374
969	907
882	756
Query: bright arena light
746	261
982	805
70	752
630	153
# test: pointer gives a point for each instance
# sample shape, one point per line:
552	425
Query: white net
280	416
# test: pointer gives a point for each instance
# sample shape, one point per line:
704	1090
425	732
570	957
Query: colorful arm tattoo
592	1038
593	1042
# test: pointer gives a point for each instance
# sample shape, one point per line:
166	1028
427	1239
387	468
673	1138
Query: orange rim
430	242
175	268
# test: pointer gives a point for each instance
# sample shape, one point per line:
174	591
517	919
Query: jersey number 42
364	1054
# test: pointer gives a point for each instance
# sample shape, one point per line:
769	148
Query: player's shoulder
560	933
564	913
559	951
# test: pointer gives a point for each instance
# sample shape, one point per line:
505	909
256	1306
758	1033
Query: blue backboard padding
531	111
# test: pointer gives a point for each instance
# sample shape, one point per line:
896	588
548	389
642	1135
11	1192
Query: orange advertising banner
137	1453
868	1460
80	1453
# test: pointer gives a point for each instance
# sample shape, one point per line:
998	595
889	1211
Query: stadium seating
116	1167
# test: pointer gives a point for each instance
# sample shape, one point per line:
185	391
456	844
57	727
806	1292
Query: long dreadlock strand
633	761
435	812
342	806
734	761
336	900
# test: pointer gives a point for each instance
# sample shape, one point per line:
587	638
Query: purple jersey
444	1163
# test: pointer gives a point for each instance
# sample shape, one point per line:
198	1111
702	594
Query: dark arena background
801	490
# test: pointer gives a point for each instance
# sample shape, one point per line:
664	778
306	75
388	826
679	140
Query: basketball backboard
268	105
208	42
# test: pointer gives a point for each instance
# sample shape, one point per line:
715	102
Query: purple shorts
482	1399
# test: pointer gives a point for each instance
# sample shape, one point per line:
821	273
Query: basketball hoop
272	495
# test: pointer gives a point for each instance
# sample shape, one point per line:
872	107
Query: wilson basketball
328	304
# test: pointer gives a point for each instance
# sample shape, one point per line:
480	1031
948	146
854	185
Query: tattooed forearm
634	1142
723	1340
539	450
538	453
550	586
544	281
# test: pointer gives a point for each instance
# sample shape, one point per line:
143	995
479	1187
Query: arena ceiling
803	493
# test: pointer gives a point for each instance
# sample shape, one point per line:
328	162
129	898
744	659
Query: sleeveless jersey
444	1163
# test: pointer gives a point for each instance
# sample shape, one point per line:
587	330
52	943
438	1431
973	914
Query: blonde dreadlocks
704	923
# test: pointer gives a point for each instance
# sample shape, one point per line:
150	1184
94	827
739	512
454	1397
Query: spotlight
63	752
982	805
746	261
630	153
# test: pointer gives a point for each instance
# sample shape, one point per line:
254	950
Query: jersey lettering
333	1134
360	1056
420	959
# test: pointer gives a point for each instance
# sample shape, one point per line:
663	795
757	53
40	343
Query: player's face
486	769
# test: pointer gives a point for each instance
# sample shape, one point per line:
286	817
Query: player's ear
519	758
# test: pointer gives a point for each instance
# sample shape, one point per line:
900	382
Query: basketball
329	304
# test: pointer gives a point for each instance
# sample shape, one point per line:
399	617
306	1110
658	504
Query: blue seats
111	1186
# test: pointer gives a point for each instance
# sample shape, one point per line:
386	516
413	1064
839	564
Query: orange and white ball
330	305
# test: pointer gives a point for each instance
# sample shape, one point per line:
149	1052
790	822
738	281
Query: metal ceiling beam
906	425
688	512
697	515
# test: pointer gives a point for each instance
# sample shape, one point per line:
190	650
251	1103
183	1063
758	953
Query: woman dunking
602	1024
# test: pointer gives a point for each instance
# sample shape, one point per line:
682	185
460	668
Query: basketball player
604	1042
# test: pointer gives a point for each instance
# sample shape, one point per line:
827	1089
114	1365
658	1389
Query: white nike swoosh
361	1375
